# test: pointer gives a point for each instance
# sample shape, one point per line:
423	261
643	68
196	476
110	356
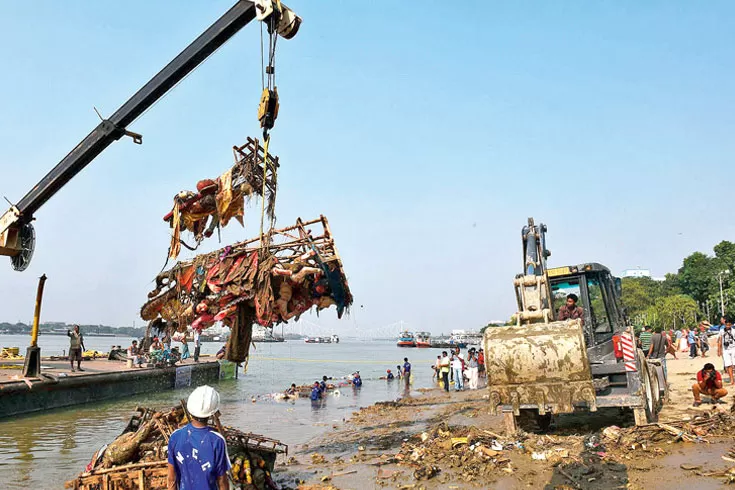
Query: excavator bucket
543	366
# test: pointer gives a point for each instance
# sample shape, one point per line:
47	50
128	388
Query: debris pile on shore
138	457
471	452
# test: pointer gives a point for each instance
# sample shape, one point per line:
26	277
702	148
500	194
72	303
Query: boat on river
467	338
447	343
332	339
406	339
423	339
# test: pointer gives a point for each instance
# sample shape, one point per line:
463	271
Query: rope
265	176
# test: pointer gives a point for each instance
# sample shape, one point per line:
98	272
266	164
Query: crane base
32	366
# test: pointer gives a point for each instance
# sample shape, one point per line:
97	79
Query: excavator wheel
649	412
543	421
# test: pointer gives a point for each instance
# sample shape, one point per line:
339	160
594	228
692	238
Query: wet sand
374	449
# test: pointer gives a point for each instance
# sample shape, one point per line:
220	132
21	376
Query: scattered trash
317	458
426	472
457	441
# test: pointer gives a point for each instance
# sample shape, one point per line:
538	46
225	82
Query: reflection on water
42	451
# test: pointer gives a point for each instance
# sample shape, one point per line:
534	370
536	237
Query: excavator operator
570	310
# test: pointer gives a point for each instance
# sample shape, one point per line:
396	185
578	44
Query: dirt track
417	443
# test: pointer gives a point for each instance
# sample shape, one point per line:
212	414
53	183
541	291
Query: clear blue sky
426	134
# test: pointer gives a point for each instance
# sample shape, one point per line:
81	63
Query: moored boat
423	339
406	339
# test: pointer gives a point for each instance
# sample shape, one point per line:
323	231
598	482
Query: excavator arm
17	237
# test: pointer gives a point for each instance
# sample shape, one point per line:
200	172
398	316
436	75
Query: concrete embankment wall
18	398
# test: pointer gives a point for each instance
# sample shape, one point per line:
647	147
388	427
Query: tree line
23	328
695	292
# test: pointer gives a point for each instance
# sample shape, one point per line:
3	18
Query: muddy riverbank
434	440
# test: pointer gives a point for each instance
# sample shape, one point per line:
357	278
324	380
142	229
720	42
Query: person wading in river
76	346
406	370
197	454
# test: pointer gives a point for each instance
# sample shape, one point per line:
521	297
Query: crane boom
112	129
16	233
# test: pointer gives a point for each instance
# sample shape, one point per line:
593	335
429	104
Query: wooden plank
141	480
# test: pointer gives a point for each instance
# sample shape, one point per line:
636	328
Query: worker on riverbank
197	345
76	346
133	354
444	368
709	382
457	369
657	349
644	339
726	349
197	454
398	372
472	370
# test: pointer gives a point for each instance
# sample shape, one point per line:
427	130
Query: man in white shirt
726	348
134	354
457	370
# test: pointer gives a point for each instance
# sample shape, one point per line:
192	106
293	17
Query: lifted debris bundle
267	281
217	201
137	459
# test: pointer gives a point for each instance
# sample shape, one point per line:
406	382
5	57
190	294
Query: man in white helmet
197	454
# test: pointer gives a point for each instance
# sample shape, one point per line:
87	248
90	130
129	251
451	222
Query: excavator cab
544	366
598	293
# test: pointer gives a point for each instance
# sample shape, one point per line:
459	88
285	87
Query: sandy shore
419	443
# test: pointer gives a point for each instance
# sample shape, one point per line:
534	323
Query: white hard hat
203	402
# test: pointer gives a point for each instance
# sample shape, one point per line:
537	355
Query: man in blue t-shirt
406	370
197	454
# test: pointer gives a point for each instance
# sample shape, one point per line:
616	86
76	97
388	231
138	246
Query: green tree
670	285
639	294
697	276
675	312
725	254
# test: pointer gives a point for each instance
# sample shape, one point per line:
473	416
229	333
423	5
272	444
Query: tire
649	396
543	421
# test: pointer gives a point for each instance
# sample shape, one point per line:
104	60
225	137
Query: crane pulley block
268	108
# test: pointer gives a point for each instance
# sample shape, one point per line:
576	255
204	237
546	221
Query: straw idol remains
268	280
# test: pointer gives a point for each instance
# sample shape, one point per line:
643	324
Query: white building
636	273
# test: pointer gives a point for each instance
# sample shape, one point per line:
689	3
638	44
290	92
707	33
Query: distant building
636	273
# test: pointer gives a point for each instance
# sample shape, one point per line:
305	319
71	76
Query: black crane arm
114	128
17	237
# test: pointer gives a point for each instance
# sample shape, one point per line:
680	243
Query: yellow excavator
540	366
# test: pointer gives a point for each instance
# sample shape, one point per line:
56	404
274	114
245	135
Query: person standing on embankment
76	346
444	367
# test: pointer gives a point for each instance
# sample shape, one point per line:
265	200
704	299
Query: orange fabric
186	278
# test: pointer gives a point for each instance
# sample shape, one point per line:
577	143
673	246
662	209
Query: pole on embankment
32	366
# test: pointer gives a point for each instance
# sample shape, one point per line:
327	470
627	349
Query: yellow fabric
224	196
175	247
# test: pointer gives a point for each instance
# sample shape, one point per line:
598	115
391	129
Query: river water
42	451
